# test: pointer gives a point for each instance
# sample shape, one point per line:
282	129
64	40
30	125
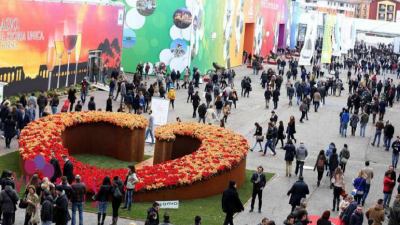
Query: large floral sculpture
220	150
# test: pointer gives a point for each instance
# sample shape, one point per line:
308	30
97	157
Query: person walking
369	175
202	110
210	116
150	127
275	97
102	198
61	214
259	137
378	132
77	200
320	166
337	182
395	152
333	162
357	217
344	120
291	129
42	103
303	109
117	197
172	97
47	210
270	136
388	186
376	214
130	182
195	103
8	201
317	100
298	191
388	132
258	179
359	187
231	203
301	155
290	153
9	130
54	102
394	211
226	110
33	205
344	157
68	169
280	135
354	119
267	97
363	123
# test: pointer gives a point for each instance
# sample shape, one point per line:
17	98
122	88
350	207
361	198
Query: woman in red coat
388	185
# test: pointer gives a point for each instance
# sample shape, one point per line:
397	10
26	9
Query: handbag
260	138
23	203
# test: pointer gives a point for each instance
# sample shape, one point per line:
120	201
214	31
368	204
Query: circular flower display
220	149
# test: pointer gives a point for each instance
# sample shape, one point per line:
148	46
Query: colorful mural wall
197	33
39	37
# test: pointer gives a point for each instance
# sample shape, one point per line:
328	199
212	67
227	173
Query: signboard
168	204
160	108
327	42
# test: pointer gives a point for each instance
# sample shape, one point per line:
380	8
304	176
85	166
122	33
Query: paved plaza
316	133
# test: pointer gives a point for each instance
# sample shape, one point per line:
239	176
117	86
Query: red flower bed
220	149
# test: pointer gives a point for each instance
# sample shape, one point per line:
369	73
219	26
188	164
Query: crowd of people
370	92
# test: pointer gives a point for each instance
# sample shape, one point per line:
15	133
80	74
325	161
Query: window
386	11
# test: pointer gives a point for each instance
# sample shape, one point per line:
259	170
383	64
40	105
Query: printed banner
327	42
46	44
307	52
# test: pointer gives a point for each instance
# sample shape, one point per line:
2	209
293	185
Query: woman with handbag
337	181
259	137
117	191
33	201
291	129
359	185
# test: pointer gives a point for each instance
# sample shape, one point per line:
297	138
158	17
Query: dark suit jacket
69	171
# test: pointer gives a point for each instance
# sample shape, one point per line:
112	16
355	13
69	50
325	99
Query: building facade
386	10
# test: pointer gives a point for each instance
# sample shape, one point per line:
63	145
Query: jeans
54	109
386	199
344	129
299	167
255	145
128	198
270	144
149	132
386	141
362	129
77	206
395	160
366	191
83	97
102	206
377	136
316	106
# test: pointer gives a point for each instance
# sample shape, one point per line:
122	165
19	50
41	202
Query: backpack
117	193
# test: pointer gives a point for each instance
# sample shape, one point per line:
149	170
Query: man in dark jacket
41	102
22	119
357	217
61	213
259	181
46	213
57	169
202	112
394	212
195	103
298	191
77	199
8	202
231	203
388	132
68	170
152	215
346	215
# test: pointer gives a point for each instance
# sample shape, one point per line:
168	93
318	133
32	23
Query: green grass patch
105	161
208	208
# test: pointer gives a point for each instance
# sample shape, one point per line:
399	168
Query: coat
46	213
68	171
290	152
61	214
376	214
261	183
322	221
298	191
231	202
57	169
356	219
394	214
8	200
9	128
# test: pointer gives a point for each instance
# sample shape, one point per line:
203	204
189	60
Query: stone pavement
321	129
